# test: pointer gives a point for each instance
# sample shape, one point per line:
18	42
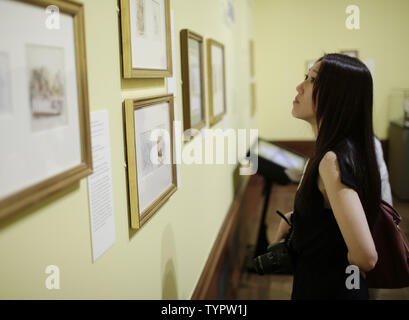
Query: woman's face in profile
303	106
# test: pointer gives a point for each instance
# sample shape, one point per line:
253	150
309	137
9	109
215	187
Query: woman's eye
306	78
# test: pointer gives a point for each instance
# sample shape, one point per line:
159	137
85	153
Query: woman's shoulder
339	162
328	167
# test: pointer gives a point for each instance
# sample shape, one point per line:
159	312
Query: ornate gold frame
215	118
39	191
185	35
130	105
127	69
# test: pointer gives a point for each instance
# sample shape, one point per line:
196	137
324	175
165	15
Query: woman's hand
283	228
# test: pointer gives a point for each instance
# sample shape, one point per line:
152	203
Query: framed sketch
44	112
47	87
351	53
191	47
216	78
150	155
146	42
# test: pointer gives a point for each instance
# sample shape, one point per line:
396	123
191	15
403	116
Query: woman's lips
296	101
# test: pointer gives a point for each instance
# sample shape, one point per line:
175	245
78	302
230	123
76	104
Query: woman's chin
299	117
294	114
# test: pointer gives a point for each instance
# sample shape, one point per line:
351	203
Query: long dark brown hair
343	98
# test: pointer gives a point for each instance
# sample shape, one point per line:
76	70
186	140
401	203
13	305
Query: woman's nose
299	88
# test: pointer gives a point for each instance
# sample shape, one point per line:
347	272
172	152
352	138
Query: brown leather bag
392	269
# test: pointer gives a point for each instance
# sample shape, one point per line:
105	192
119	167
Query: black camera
277	260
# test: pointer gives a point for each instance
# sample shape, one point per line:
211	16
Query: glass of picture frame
150	155
146	39
351	53
44	112
191	45
216	79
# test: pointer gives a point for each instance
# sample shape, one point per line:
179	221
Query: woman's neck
314	129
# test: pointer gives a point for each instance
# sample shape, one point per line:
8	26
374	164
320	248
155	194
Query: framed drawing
351	53
150	155
146	43
216	78
191	47
44	112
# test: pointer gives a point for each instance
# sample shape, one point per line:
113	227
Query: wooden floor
278	287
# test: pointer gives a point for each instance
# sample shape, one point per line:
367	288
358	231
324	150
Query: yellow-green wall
165	258
289	32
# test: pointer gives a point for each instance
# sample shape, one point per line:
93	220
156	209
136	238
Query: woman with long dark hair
338	198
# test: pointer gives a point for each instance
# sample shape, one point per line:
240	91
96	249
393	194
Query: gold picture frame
189	81
130	36
216	72
41	188
138	136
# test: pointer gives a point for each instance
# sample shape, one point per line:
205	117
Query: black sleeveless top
317	245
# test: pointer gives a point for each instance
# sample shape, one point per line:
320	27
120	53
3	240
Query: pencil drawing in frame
44	112
191	46
48	105
216	80
146	39
150	155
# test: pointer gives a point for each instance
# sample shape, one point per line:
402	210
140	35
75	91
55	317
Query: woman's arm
349	214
